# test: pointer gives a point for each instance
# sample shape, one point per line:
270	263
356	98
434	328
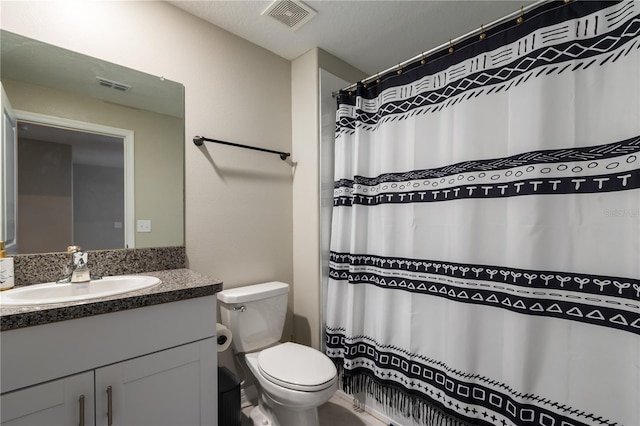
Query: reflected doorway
71	188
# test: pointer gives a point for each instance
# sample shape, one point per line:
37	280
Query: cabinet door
67	401
173	387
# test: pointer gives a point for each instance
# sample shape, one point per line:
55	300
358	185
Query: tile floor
337	412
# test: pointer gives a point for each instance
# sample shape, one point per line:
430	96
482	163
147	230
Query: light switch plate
143	225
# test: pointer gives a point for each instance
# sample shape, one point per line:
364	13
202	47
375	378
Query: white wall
238	202
305	210
305	83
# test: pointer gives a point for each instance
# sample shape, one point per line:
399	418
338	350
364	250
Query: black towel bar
199	140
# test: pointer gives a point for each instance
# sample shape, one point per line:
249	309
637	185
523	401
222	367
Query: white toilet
292	379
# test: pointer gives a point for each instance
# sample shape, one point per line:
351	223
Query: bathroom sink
41	294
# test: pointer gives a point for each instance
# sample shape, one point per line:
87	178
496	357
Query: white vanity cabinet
67	401
165	388
158	362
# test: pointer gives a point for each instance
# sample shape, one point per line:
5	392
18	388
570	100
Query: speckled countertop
176	284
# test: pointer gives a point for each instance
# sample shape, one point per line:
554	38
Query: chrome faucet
79	270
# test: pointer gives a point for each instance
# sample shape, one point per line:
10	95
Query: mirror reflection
92	152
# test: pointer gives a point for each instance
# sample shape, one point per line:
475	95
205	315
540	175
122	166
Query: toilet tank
255	314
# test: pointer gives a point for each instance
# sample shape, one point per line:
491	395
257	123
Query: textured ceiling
370	35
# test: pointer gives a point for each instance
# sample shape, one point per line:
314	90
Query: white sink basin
41	294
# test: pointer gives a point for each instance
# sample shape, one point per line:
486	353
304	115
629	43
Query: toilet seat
296	366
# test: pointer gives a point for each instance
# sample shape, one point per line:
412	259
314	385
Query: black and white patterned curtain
485	253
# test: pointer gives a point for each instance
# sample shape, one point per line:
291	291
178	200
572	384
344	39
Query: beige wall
238	213
158	155
305	83
242	225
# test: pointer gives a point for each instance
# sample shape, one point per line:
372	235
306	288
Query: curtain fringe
395	399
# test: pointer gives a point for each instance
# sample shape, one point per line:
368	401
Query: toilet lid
297	367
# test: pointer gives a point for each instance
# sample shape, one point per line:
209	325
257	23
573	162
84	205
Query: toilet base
258	418
284	417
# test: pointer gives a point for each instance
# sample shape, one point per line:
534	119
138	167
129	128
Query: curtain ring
520	19
451	49
399	70
483	35
423	61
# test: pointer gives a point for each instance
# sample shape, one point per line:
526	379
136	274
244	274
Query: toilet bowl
290	396
292	379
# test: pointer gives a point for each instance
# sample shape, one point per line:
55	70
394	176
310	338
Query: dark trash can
229	410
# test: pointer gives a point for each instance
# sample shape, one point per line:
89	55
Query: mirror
98	159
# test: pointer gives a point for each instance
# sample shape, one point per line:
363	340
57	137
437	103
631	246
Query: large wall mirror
92	152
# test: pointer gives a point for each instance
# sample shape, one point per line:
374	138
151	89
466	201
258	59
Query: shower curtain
485	247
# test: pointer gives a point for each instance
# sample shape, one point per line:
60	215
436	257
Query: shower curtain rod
452	42
199	140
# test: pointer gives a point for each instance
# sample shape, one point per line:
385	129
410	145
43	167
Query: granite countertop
176	284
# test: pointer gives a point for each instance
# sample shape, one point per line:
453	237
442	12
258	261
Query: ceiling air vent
292	13
121	87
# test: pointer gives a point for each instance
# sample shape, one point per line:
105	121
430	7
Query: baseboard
369	410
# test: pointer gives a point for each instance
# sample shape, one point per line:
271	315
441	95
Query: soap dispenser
6	269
